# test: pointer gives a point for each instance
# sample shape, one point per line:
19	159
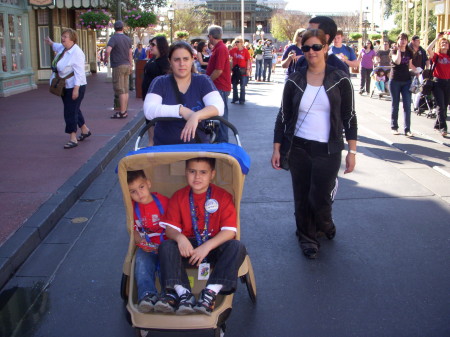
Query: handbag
58	84
286	143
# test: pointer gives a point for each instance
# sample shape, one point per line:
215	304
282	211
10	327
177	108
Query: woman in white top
70	59
317	102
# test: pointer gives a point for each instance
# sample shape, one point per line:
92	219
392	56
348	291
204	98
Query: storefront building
26	59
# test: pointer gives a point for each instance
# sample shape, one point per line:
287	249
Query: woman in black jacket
317	101
158	65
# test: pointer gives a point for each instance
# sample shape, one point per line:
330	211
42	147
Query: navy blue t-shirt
170	132
332	60
298	51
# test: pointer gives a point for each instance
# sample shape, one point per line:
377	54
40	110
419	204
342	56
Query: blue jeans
226	260
222	136
241	97
397	88
144	273
380	85
259	69
267	65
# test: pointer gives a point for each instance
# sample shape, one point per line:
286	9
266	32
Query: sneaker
206	302
186	304
444	133
395	132
168	302
147	304
409	134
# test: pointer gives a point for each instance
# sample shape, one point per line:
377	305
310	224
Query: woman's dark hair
200	46
180	45
371	44
162	44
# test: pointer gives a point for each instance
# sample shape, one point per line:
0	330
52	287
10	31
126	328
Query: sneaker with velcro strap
168	302
206	302
186	304
147	303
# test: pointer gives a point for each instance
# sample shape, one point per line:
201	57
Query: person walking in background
267	57
274	59
421	62
139	53
202	56
241	70
219	71
440	55
400	83
343	52
249	47
292	53
259	60
70	60
317	102
120	49
366	56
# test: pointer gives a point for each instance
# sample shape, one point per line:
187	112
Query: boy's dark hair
133	175
210	161
327	25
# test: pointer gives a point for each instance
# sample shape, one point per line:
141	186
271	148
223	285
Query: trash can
139	76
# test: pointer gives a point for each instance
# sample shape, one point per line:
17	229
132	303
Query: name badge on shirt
211	205
203	271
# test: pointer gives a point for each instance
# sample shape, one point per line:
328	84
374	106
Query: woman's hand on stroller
190	128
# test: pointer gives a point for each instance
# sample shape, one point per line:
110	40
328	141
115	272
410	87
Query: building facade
24	24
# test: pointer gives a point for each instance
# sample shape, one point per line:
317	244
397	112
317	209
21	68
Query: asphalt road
387	272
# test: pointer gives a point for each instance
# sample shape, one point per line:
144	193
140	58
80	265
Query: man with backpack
343	52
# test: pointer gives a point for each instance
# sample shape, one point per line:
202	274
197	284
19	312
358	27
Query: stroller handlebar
153	121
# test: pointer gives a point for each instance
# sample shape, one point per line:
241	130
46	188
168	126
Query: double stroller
422	93
164	165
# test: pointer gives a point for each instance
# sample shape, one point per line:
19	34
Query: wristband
352	152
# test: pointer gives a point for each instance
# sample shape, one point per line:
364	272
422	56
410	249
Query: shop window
44	50
20	46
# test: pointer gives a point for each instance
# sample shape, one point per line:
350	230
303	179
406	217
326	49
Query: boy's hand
198	255
185	246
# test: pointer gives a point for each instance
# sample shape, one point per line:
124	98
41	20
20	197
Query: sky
334	6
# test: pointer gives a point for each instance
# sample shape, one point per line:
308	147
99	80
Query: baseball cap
118	25
415	37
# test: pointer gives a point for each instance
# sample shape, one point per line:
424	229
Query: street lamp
259	31
161	20
171	15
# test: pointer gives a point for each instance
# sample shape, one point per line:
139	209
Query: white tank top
315	124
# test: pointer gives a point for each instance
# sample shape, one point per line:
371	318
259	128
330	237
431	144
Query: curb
30	235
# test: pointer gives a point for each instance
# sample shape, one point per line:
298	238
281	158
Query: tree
394	7
147	5
194	20
285	23
347	23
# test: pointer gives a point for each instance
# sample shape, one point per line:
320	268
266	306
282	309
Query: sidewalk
41	180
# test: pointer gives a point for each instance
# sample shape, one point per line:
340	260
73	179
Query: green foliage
182	34
97	19
355	36
136	18
375	36
146	5
394	7
161	34
393	34
194	20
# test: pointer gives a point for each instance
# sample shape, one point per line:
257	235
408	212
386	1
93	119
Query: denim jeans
365	79
441	93
72	113
267	65
259	69
144	273
380	85
313	173
397	88
243	83
222	135
225	260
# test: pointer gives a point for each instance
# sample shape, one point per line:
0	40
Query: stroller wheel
124	288
140	332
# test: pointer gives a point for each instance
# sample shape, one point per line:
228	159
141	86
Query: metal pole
242	20
407	17
422	22
426	22
171	31
119	10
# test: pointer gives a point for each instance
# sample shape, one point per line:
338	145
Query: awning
76	4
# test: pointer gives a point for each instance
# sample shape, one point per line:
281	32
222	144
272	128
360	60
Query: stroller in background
421	87
374	91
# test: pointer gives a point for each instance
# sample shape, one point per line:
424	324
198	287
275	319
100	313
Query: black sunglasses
153	44
315	47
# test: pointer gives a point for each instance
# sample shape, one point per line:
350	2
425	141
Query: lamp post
259	31
161	22
171	15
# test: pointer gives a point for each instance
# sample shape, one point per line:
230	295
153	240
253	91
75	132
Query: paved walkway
35	166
